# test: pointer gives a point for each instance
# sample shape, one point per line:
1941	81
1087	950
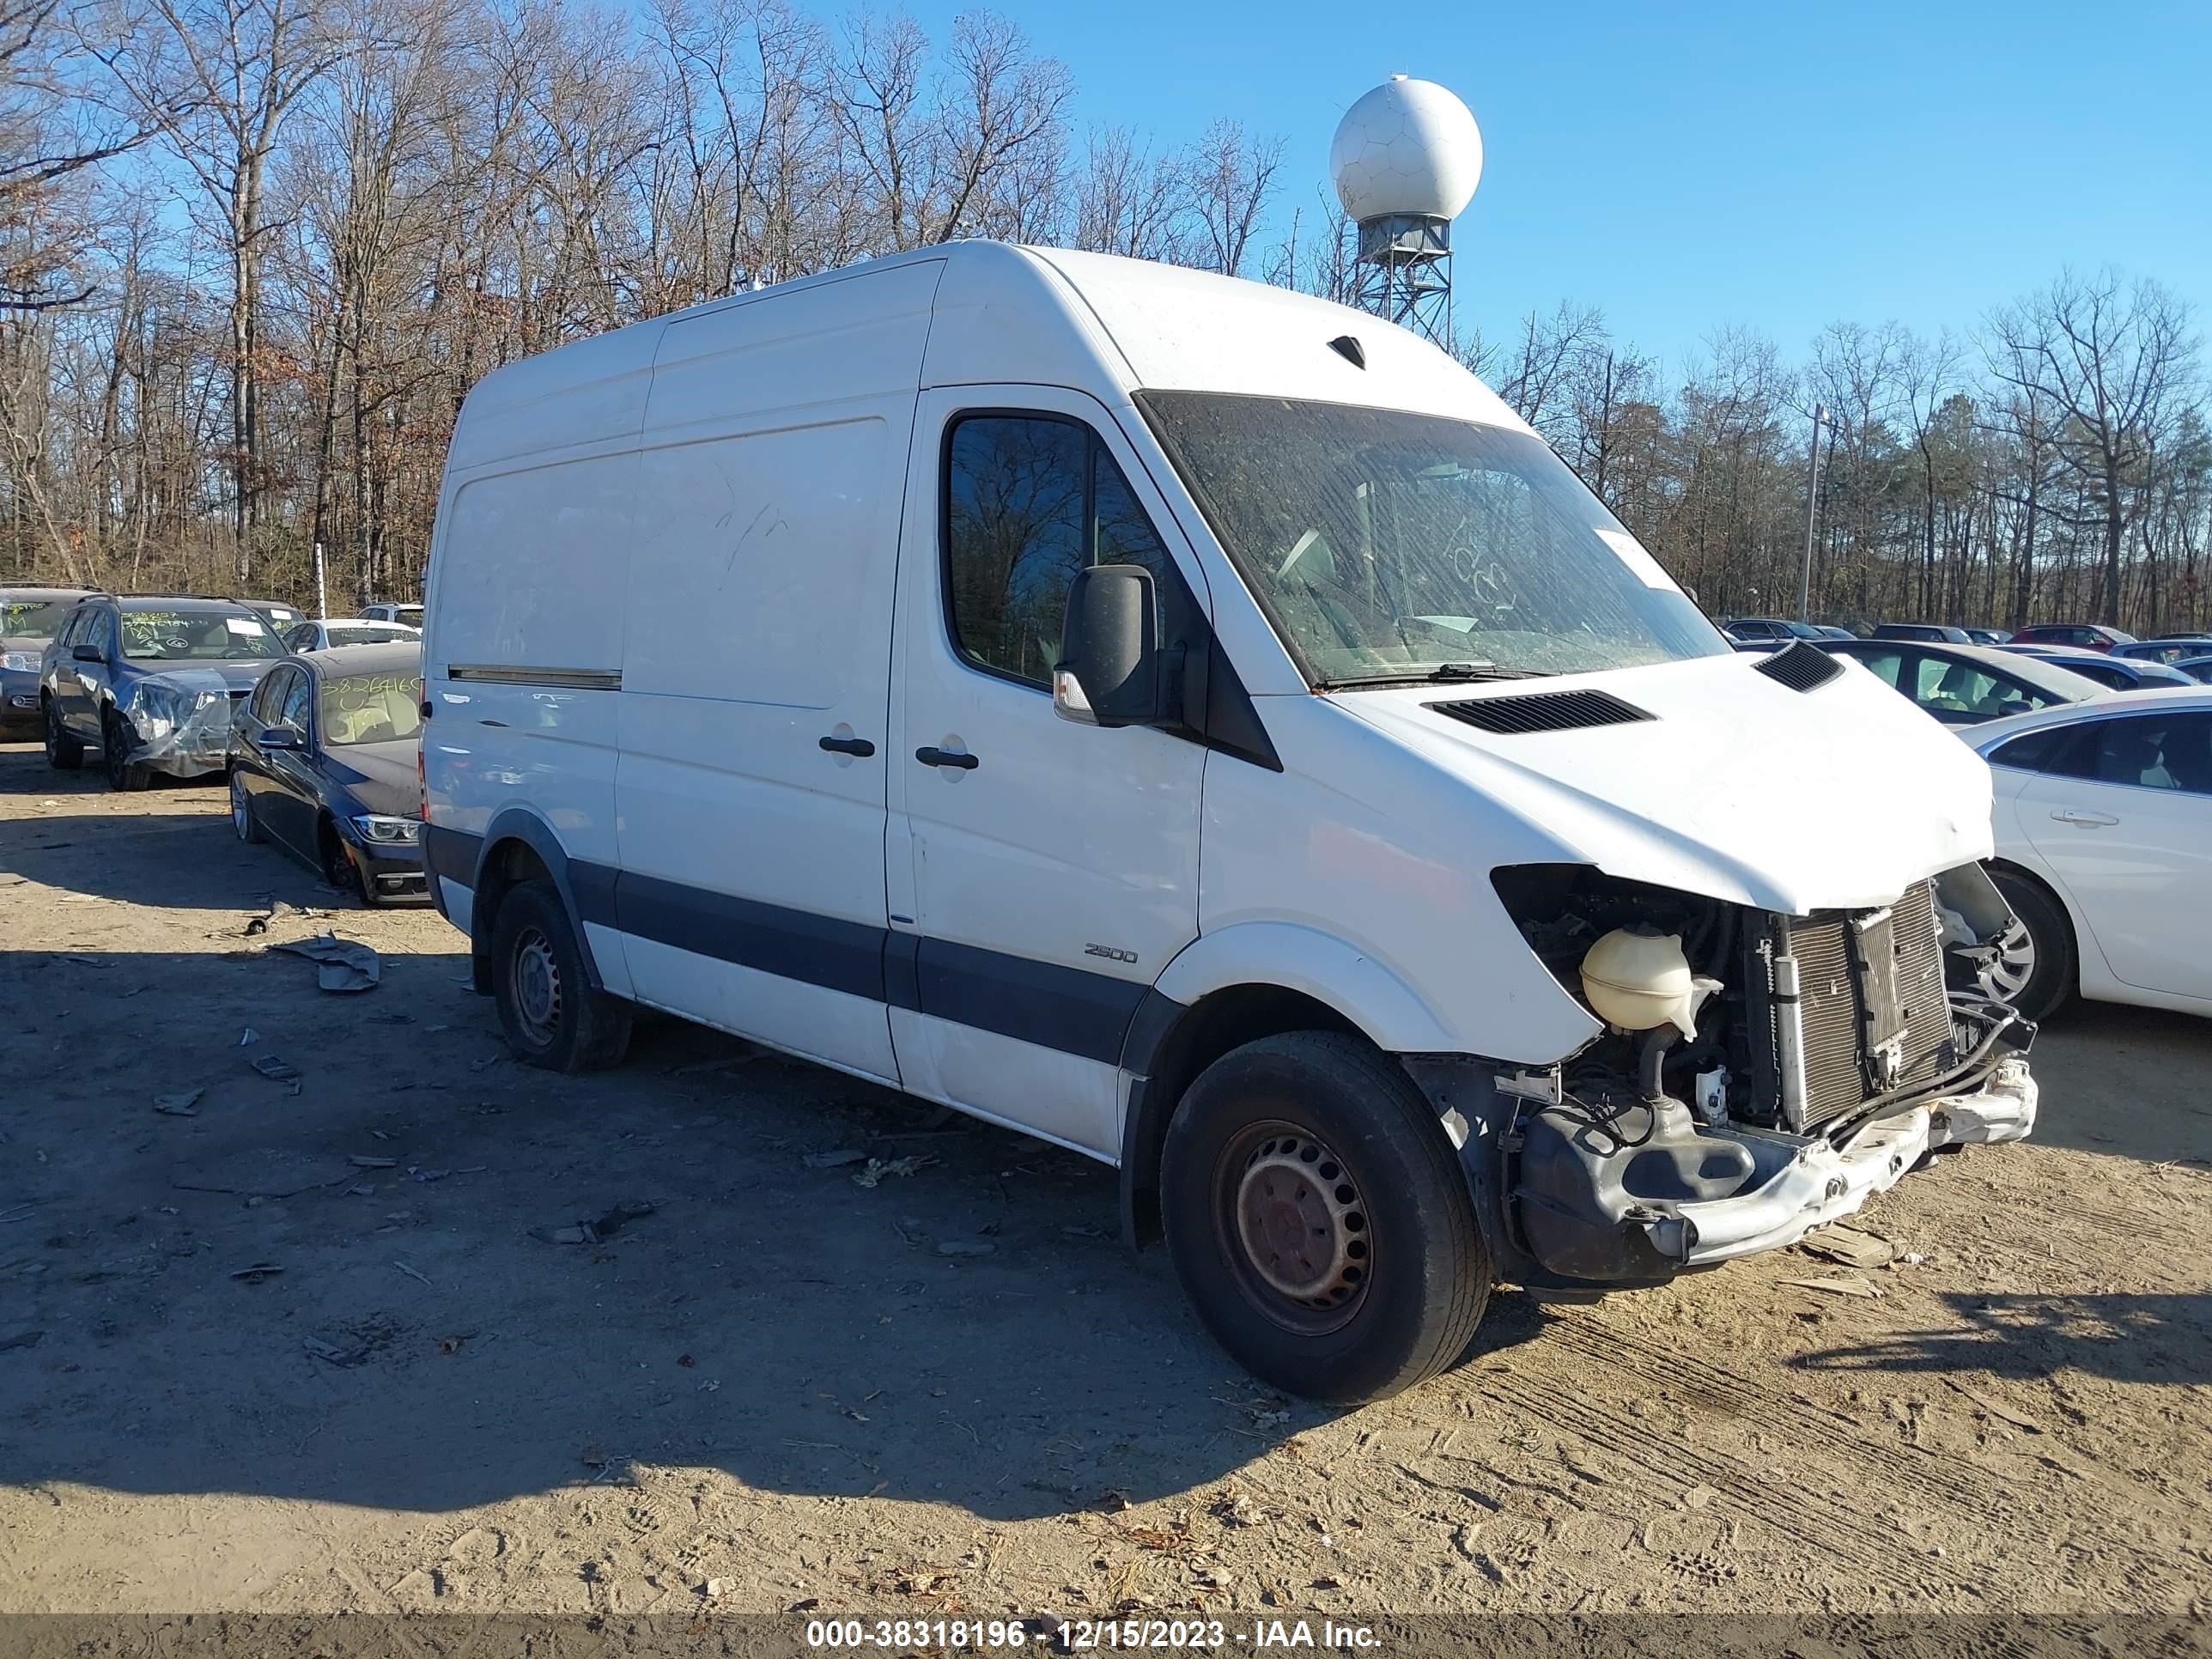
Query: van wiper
1444	673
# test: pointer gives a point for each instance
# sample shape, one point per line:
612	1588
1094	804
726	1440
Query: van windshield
1389	546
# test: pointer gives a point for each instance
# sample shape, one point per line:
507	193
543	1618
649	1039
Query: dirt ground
776	1382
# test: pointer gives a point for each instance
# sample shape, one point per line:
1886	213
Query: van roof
1004	314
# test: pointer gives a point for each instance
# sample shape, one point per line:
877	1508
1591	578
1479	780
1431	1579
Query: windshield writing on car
1385	545
371	708
33	619
196	636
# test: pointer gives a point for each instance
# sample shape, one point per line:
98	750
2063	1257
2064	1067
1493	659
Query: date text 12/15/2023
1084	1635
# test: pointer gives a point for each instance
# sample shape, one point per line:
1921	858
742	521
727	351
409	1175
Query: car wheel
243	823
339	867
2035	969
552	1017
116	741
64	752
1319	1221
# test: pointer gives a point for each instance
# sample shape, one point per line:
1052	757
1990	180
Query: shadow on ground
2157	1339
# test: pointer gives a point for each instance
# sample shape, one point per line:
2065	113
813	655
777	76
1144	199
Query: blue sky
1685	166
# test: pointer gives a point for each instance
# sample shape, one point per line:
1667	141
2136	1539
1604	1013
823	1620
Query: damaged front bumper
1814	1182
1570	1202
179	723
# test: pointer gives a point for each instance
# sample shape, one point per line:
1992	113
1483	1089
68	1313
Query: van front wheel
552	1017
1319	1221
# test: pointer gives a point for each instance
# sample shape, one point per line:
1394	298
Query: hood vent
1802	667
1544	711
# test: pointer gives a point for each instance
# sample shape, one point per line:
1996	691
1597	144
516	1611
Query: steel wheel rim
242	812
534	977
1295	1227
53	732
2012	967
111	751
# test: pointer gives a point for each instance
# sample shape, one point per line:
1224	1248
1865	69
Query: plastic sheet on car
180	715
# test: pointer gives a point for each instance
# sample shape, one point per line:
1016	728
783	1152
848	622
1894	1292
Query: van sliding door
755	682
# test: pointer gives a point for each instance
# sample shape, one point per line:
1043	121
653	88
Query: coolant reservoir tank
1638	979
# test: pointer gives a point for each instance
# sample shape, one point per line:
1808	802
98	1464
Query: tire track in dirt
1806	1519
1937	1481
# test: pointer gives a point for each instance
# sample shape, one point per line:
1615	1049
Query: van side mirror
1109	673
86	654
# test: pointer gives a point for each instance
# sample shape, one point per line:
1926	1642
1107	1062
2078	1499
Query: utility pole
1812	516
322	596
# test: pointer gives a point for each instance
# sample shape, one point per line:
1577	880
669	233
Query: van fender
587	891
1313	964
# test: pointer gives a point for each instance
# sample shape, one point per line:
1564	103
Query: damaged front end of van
1759	1074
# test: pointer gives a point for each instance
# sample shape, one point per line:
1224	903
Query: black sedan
324	763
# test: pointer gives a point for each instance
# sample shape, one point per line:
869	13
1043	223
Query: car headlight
19	662
381	827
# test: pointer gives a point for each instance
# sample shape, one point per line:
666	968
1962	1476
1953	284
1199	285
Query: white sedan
325	632
2104	849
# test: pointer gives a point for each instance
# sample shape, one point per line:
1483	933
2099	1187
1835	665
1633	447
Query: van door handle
2089	820
859	746
946	757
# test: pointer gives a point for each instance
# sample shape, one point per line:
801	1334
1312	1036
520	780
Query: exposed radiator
1873	1009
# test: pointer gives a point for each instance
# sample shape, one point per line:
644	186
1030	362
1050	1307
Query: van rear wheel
1319	1221
552	1017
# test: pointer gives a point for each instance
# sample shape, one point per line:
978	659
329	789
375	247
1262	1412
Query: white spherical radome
1408	147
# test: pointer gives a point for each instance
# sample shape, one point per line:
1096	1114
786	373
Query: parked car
324	763
1988	635
278	615
393	611
327	631
1964	684
2104	837
918	794
1775	630
2086	636
1937	633
29	616
2166	651
1830	631
2114	673
150	681
2197	668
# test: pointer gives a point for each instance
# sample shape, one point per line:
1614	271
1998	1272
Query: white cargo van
1201	727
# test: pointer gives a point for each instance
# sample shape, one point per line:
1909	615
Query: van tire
2055	976
1233	1183
552	1017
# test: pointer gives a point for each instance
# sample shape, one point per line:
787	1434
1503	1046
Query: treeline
253	254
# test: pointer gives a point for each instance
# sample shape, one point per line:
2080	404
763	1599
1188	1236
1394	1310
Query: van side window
1029	500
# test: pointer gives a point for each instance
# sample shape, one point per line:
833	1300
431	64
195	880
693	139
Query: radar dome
1408	147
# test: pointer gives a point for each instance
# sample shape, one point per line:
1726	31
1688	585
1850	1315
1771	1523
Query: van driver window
1029	500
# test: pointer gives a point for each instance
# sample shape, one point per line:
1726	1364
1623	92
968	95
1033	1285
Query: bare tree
217	78
1229	176
2110	357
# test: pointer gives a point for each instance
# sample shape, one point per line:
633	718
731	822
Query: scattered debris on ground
341	964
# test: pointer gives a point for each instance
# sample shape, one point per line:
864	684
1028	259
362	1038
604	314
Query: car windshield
1385	545
369	634
371	708
33	619
196	636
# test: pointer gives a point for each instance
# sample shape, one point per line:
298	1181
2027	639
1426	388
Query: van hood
1737	787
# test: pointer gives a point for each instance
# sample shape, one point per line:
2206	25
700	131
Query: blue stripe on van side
1067	1009
825	950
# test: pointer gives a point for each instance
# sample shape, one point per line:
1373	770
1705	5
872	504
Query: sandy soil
776	1382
